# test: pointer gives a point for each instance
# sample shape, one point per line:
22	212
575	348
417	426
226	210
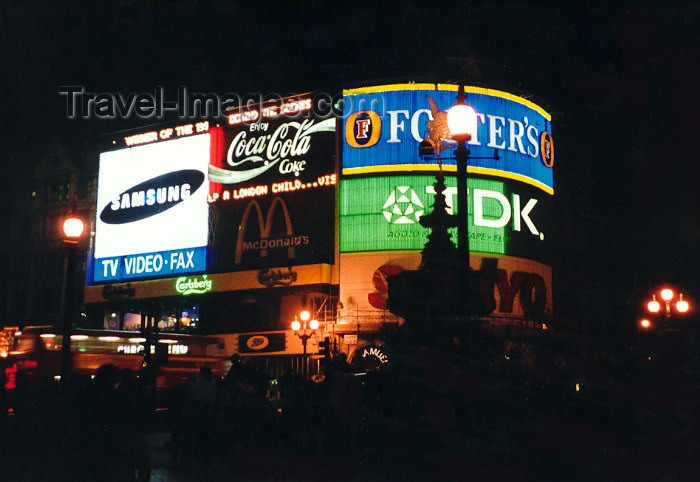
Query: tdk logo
363	129
152	197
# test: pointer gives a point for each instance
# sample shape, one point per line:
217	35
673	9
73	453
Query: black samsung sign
152	196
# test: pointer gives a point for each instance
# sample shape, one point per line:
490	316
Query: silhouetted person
137	421
201	398
97	451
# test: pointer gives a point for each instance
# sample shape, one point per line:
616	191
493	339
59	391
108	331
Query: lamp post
667	296
73	228
312	324
444	271
461	122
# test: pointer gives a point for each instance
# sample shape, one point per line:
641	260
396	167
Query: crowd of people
418	416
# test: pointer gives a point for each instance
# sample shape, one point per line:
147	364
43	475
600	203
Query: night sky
622	81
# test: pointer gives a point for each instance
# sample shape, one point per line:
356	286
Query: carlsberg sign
194	285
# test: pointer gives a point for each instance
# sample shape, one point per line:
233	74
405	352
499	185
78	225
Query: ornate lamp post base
442	286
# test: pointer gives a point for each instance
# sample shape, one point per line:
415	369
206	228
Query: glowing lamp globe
646	324
666	294
296	326
653	306
304	315
313	324
461	121
73	228
682	306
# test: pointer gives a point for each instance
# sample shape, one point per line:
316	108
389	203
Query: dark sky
621	79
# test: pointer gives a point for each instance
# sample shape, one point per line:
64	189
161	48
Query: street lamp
645	324
667	295
305	320
73	228
461	122
444	269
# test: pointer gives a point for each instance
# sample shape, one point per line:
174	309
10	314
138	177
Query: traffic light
324	348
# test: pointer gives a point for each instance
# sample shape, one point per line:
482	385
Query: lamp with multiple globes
306	321
667	296
73	228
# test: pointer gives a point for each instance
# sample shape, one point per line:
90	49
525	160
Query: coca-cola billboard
272	156
272	192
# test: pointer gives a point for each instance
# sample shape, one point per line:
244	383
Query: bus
35	353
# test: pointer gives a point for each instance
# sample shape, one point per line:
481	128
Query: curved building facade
236	226
386	187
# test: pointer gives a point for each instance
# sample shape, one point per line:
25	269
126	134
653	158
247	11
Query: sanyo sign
385	124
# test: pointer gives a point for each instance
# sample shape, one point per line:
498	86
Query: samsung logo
152	197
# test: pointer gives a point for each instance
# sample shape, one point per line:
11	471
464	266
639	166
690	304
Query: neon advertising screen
152	215
256	190
382	212
521	287
383	126
272	192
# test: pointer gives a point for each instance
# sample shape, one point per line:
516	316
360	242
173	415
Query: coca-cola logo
259	149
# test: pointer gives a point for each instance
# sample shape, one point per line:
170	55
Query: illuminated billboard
273	156
272	192
256	191
521	287
152	213
274	230
381	213
384	125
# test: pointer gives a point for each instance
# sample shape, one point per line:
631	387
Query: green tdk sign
382	213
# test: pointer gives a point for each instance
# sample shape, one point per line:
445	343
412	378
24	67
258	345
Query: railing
278	366
353	317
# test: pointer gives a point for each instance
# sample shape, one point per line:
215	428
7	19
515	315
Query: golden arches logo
265	227
363	129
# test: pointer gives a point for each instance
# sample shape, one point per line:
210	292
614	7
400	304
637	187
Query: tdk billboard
385	124
152	211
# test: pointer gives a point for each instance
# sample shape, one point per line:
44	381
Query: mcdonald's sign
273	232
266	242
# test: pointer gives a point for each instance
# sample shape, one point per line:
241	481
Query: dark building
34	259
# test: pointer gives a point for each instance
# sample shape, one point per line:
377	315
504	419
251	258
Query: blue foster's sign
384	125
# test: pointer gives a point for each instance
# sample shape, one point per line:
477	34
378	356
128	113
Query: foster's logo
152	197
363	129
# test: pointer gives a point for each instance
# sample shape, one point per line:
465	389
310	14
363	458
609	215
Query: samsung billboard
383	126
381	213
152	213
